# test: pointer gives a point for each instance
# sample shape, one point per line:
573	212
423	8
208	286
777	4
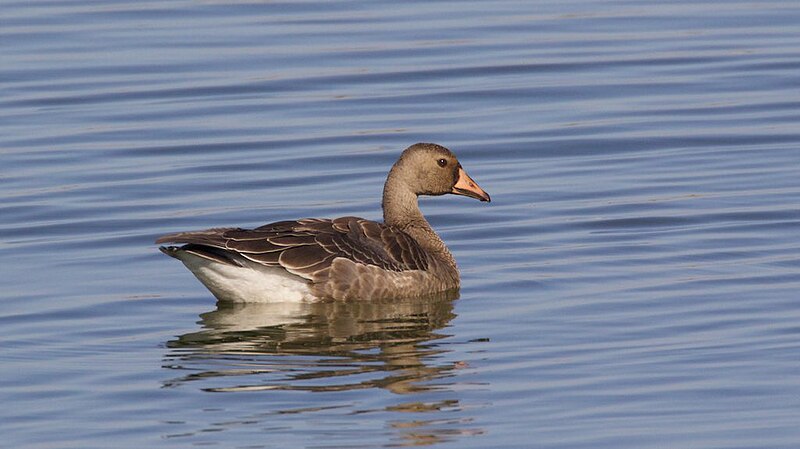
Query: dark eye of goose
442	162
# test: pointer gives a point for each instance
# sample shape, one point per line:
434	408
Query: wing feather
308	247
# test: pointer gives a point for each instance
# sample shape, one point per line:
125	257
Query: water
632	284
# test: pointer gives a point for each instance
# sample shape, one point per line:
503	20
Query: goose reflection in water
330	347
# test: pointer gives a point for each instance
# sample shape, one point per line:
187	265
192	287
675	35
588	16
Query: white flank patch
253	283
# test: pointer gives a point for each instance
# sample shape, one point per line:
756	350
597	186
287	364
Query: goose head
431	169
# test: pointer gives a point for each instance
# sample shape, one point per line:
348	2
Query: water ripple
632	283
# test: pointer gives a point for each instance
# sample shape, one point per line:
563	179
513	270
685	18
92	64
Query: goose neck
401	210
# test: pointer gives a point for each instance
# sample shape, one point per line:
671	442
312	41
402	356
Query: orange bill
467	187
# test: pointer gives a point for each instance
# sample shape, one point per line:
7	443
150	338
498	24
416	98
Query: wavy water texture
632	284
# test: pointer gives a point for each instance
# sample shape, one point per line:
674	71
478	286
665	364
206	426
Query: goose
346	258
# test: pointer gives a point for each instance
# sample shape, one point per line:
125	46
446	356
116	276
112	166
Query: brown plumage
344	258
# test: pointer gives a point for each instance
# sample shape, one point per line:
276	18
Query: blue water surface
633	283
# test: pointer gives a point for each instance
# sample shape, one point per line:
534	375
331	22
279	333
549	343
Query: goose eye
442	162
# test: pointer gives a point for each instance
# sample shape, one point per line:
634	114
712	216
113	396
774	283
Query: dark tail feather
171	251
206	252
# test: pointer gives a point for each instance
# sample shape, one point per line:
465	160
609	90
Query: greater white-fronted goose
341	259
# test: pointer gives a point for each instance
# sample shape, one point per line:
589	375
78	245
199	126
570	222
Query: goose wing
307	247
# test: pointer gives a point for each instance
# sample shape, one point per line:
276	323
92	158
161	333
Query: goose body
345	258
